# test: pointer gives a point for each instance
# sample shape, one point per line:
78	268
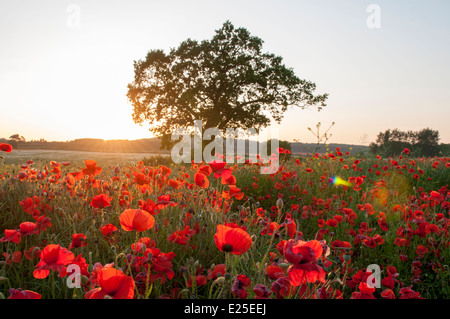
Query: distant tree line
423	143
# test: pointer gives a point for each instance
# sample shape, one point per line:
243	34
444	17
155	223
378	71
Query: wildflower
239	285
303	256
12	235
232	240
201	180
78	240
91	168
136	219
113	283
53	257
23	294
365	292
101	201
6	147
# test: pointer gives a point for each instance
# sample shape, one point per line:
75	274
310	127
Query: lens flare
336	180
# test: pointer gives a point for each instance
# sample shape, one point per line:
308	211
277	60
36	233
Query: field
89	225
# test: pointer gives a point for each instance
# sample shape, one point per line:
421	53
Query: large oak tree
227	82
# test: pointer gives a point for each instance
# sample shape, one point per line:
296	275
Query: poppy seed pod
84	280
283	266
220	281
280	204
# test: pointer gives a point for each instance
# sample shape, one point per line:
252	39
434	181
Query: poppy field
315	229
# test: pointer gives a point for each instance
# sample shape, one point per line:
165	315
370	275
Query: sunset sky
63	78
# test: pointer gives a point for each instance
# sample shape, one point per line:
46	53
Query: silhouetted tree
392	142
227	82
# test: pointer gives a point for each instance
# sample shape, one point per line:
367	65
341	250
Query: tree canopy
227	82
393	142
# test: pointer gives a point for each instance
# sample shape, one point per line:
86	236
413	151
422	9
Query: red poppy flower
16	257
91	168
12	235
365	292
218	269
303	256
291	227
53	257
5	147
78	240
282	287
27	228
230	180
161	265
201	180
205	170
164	201
140	179
200	280
101	201
388	294
239	285
173	183
232	240
136	219
219	169
261	291
274	272
388	282
149	206
23	294
108	230
165	170
408	293
113	283
233	192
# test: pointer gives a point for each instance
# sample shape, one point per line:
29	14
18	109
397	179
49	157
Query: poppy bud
283	266
84	280
2	296
347	257
280	204
220	281
184	291
196	263
90	268
227	276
